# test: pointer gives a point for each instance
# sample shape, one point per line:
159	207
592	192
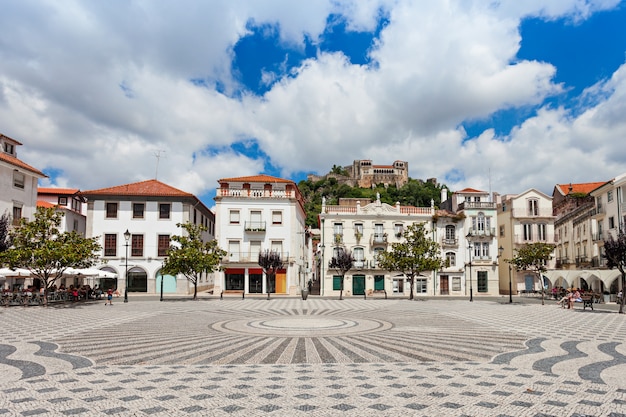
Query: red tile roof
255	178
469	190
584	188
56	191
45	204
10	139
16	162
152	188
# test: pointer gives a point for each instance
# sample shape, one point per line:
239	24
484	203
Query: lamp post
161	282
469	247
127	238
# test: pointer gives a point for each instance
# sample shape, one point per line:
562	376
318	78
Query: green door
358	284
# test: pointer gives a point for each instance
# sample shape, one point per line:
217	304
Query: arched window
451	258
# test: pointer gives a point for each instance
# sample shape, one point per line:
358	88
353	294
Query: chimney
444	194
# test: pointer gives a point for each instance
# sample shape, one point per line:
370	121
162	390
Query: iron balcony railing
250	226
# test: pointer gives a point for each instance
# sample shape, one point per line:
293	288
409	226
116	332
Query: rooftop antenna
157	154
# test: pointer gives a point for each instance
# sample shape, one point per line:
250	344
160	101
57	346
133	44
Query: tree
271	262
533	257
41	248
341	262
191	256
5	241
417	253
615	253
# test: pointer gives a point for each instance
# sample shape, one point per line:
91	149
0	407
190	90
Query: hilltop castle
362	173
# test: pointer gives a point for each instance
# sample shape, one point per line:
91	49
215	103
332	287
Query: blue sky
500	96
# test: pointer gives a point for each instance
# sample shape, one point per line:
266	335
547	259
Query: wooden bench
587	301
232	292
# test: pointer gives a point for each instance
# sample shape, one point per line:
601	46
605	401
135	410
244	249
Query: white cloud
94	89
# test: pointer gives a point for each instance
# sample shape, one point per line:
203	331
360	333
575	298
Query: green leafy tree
533	257
341	262
46	252
271	262
191	256
417	253
5	241
615	253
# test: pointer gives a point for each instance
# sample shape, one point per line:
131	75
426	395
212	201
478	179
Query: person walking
109	297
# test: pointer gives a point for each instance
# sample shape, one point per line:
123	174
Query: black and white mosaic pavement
289	357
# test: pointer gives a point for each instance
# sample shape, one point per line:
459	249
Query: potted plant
358	235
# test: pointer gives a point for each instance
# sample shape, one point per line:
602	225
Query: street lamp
127	238
162	265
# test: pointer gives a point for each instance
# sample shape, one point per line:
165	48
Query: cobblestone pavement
319	357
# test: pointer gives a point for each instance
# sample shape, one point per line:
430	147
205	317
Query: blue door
169	283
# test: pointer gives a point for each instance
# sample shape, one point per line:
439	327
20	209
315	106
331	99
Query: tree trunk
195	288
341	288
411	284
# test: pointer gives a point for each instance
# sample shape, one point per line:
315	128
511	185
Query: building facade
256	214
70	202
18	182
149	211
524	218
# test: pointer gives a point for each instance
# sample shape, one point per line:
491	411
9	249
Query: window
277	246
164	210
233	251
111	210
541	232
477	199
480	222
528	232
609	196
110	244
611	222
358	256
9	148
456	283
75	225
379	234
17	215
501	231
138	209
277	217
451	258
18	179
485	250
163	245
450	233
483	285
420	285
76	205
358	228
398	229
63	201
255	249
234	217
338	228
533	207
136	245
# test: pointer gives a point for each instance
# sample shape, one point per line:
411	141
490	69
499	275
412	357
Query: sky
496	95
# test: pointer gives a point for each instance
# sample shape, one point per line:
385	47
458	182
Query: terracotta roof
255	178
52	190
16	162
469	190
45	204
584	188
153	188
10	139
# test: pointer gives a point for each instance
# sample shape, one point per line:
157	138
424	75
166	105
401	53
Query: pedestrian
109	297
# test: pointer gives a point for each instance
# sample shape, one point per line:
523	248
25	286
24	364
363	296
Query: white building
469	241
149	211
261	213
524	218
365	229
70	202
18	182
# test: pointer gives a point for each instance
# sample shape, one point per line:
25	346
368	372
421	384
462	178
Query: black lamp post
161	283
469	247
127	238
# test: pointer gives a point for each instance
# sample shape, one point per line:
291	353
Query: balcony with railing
521	239
378	238
487	231
254	193
582	261
525	212
250	257
477	205
449	242
598	210
258	227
